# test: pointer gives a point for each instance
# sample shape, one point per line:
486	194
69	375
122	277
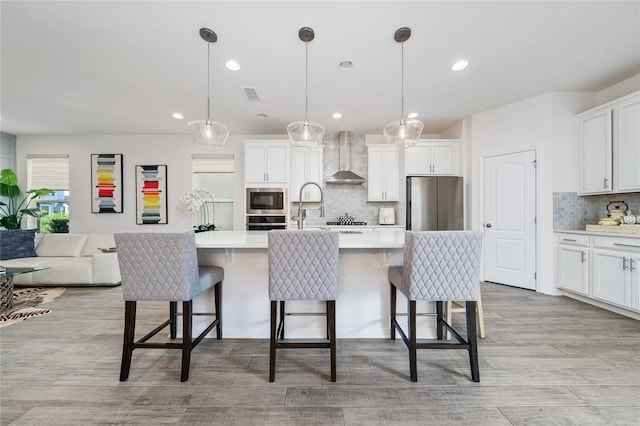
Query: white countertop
596	233
365	239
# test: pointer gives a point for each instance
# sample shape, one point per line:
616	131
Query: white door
509	219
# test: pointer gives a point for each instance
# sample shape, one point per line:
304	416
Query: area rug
26	304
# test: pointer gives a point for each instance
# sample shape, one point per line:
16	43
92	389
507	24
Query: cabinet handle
584	257
568	239
606	183
625	245
631	268
624	263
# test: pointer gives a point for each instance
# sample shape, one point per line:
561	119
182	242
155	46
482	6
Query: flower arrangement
198	202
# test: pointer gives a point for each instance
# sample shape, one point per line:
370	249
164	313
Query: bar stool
164	266
303	265
456	306
438	266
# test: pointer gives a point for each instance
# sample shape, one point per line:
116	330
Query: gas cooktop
347	224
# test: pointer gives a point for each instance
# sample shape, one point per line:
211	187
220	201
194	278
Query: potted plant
12	212
197	202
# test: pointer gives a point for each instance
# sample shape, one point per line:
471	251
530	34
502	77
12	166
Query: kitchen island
362	306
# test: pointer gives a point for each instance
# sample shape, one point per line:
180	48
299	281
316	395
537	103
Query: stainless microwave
267	201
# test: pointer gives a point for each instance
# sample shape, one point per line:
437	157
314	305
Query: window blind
50	172
215	163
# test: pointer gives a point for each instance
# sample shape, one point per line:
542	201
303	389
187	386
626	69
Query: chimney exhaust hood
344	176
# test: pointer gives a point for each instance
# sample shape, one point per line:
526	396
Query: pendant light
206	132
305	133
405	131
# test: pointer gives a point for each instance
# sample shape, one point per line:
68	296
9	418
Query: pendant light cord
402	83
306	81
208	82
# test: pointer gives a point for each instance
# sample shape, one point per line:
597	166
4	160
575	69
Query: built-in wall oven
269	201
266	222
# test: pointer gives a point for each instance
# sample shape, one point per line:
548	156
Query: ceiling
118	67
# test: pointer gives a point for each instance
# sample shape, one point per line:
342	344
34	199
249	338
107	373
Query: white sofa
72	259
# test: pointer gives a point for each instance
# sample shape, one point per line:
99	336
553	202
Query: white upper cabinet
266	163
306	166
609	147
433	157
383	173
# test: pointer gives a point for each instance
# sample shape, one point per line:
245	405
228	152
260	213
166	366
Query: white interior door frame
499	265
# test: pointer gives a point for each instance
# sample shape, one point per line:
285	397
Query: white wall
173	150
618	90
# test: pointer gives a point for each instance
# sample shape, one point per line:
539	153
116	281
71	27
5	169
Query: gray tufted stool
303	265
164	266
438	266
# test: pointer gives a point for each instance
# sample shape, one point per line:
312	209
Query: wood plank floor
546	361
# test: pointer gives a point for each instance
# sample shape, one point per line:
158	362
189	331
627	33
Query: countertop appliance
346	224
387	216
434	203
267	201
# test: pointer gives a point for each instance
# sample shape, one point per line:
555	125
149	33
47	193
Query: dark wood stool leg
218	304
281	324
327	318
127	344
272	341
173	315
413	359
472	339
393	311
439	326
187	324
331	314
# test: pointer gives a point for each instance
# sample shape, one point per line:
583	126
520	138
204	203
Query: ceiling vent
251	93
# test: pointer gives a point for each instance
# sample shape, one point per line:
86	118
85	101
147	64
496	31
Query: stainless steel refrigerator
434	203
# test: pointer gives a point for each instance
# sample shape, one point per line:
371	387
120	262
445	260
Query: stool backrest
442	265
158	266
303	265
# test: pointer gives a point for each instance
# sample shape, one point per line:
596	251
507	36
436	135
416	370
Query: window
215	173
50	171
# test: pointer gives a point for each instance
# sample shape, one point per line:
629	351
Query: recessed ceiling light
459	65
413	115
232	65
345	65
177	116
262	116
337	115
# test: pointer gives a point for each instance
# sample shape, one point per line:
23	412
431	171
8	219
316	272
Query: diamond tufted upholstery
440	265
162	266
303	265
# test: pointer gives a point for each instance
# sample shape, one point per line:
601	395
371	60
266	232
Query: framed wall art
151	195
106	183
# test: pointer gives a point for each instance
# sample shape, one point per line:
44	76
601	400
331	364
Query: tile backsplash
573	212
341	199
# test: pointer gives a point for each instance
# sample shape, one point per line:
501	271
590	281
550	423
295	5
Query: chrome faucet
301	212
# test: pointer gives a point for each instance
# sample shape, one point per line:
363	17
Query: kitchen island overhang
362	306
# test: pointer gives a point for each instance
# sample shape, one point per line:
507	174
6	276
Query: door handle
631	267
624	263
583	257
488	225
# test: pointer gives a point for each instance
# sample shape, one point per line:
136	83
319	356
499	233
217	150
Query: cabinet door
627	145
375	176
594	137
391	175
254	163
418	160
611	278
634	270
278	163
314	173
444	159
573	267
298	172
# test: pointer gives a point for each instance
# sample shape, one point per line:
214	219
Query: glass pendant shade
403	132
305	133
208	133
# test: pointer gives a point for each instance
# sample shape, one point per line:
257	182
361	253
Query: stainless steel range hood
345	176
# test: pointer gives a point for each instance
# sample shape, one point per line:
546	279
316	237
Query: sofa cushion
95	242
61	245
17	243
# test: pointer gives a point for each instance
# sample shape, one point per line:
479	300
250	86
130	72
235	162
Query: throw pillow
61	245
17	243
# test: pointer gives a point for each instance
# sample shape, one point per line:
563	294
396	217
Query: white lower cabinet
602	268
